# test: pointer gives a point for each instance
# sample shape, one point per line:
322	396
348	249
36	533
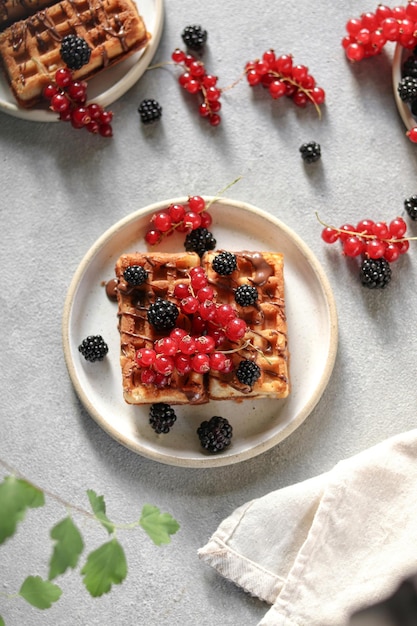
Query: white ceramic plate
111	83
400	54
257	425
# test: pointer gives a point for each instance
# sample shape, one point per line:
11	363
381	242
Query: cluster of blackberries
162	417
410	205
162	314
199	240
150	111
246	295
93	348
375	273
75	52
135	275
310	152
215	434
407	87
224	263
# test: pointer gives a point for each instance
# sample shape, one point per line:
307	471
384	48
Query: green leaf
68	547
40	593
104	566
2	622
16	495
159	526
99	508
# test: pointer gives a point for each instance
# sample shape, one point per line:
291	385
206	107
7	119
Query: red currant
145	357
162	221
236	329
397	227
153	237
200	363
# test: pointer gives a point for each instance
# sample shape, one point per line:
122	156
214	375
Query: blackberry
410	205
150	111
224	263
199	240
135	275
246	295
407	88
310	152
375	273
93	348
162	417
75	52
194	37
409	67
215	434
162	314
248	372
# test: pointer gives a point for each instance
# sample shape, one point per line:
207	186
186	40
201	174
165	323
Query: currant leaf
39	593
104	566
68	547
99	508
158	526
16	495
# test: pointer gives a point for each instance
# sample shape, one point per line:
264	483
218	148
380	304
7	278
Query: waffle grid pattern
267	336
30	48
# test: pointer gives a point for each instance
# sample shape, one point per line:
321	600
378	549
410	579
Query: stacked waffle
30	47
264	342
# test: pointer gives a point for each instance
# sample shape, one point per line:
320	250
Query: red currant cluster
196	81
374	240
282	77
368	34
199	349
68	98
180	218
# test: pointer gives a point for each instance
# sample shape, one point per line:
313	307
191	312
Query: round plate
257	424
108	85
400	54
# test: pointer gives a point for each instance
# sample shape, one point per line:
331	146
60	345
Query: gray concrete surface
61	189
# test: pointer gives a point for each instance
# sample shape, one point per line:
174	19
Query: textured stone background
62	189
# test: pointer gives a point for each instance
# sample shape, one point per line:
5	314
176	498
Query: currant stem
363	235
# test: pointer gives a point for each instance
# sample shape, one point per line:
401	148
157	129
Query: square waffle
265	341
267	326
164	272
30	48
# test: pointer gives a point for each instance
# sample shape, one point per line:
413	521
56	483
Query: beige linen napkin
321	549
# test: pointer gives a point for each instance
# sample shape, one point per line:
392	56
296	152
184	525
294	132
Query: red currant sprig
196	81
367	35
374	240
179	217
68	98
282	77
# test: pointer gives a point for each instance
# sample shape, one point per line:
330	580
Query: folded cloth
320	550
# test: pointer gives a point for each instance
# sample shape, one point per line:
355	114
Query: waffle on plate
265	341
164	272
30	48
267	326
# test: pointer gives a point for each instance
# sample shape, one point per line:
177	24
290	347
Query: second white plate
257	425
108	85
